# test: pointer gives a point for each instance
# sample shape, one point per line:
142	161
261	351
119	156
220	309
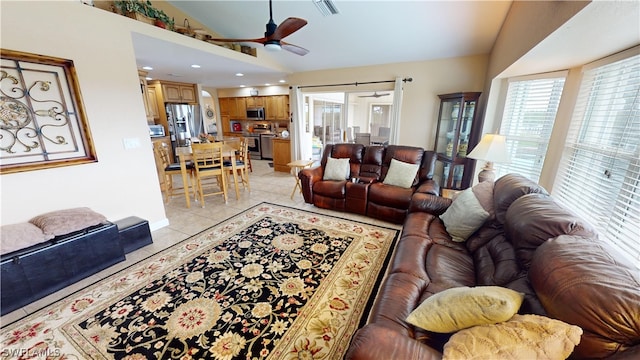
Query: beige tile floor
266	186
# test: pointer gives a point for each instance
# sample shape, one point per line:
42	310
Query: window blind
529	114
599	175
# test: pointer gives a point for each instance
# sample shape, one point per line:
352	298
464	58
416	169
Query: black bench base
134	233
35	272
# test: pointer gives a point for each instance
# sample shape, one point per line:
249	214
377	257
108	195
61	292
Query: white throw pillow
464	216
401	174
336	169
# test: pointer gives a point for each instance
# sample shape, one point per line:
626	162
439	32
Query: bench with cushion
57	249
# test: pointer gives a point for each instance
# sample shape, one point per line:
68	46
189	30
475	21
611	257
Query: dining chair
167	170
243	161
208	163
363	138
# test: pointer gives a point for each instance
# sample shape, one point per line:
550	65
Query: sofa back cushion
582	281
428	165
372	162
533	219
407	154
510	187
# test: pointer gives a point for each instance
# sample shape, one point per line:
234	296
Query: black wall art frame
43	123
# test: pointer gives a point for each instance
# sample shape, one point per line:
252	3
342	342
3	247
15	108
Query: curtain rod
353	83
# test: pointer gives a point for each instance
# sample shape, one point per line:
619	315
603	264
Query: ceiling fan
272	39
375	95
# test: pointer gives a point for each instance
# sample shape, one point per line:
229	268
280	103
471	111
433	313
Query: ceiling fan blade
260	40
294	48
287	27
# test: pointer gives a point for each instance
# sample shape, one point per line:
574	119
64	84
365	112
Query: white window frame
527	136
603	184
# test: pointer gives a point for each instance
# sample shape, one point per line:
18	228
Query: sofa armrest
429	203
307	178
378	342
429	187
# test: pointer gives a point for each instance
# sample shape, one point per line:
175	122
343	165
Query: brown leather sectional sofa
369	195
531	245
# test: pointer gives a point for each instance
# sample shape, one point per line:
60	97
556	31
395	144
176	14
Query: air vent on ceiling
326	7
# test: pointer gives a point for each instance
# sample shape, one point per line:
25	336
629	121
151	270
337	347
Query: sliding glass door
339	116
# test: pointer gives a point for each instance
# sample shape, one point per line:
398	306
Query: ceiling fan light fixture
273	46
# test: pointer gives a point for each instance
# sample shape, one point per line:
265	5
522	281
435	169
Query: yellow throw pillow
463	307
522	337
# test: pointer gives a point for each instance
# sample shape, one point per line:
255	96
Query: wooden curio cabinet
458	131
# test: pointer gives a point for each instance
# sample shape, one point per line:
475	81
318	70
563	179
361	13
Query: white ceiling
375	32
363	33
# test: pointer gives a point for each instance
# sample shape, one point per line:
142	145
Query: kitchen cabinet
226	124
179	93
281	154
241	109
458	131
144	89
255	101
235	107
277	107
153	103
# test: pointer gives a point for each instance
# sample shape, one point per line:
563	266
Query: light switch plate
131	143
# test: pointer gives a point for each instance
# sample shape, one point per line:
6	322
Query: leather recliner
369	195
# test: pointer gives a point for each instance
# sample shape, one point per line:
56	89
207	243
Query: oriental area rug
270	283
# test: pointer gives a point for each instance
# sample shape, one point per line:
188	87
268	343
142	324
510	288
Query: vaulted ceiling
362	33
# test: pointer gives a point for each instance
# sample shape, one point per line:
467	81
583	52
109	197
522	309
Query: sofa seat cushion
522	337
389	195
579	282
330	188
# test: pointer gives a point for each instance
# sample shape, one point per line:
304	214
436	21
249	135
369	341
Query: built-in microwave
255	113
156	131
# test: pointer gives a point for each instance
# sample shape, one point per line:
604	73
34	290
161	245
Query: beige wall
420	97
123	182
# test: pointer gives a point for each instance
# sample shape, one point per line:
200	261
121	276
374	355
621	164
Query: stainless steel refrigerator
185	122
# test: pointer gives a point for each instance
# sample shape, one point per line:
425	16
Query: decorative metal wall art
42	119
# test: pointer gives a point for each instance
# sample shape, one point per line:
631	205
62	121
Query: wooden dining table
185	154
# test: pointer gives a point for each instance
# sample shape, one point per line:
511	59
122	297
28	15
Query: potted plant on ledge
134	9
145	12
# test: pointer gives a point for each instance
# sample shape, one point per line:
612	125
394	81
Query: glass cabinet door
448	127
455	134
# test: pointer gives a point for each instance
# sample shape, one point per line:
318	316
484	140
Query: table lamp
492	148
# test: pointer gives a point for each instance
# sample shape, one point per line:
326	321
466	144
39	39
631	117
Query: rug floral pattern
270	283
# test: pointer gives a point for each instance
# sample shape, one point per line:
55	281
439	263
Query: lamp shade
491	148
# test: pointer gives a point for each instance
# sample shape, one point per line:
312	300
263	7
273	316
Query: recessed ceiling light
195	66
147	68
267	84
243	85
239	74
281	81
